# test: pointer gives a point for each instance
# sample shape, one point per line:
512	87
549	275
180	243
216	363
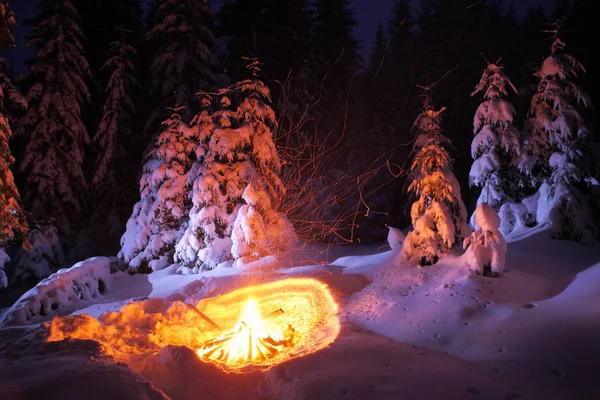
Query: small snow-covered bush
65	291
486	247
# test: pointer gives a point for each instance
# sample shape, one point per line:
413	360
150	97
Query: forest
219	134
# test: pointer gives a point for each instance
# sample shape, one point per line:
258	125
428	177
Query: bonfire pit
257	326
249	340
268	329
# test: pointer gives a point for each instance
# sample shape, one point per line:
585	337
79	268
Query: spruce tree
496	147
12	219
259	228
160	218
559	148
55	185
237	189
183	62
113	140
216	191
439	214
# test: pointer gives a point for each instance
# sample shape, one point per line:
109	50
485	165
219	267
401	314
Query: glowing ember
252	339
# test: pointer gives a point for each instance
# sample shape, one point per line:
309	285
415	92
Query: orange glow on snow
248	316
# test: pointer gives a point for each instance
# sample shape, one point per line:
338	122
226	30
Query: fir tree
55	184
259	229
496	147
439	214
561	144
237	187
113	140
216	191
12	219
183	62
160	218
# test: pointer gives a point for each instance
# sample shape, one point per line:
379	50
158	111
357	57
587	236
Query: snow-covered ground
407	332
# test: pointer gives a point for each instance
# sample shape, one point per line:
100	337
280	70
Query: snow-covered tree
238	185
109	183
41	255
12	219
486	247
183	62
260	229
160	218
216	190
495	148
55	184
559	148
438	215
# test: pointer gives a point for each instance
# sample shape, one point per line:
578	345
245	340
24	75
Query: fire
252	339
274	322
260	325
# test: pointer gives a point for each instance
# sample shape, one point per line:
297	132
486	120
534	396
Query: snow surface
407	332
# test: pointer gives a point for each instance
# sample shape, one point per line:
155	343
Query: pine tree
12	219
496	147
55	184
259	229
183	62
560	144
439	214
238	186
160	218
102	23
216	190
113	140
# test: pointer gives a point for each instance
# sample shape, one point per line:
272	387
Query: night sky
369	13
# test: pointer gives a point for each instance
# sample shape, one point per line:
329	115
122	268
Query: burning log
256	349
204	317
244	343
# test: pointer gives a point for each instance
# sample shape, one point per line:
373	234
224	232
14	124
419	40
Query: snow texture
432	333
395	237
63	292
486	246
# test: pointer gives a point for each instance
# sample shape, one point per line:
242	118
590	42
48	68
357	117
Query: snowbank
65	291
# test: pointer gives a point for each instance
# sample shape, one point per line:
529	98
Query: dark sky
368	12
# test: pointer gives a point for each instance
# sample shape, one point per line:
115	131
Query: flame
245	342
256	313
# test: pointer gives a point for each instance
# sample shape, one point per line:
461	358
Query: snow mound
486	218
64	291
395	237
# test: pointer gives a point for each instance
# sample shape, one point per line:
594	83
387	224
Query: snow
434	332
63	292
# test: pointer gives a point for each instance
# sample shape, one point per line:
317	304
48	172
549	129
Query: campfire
252	339
258	325
275	322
